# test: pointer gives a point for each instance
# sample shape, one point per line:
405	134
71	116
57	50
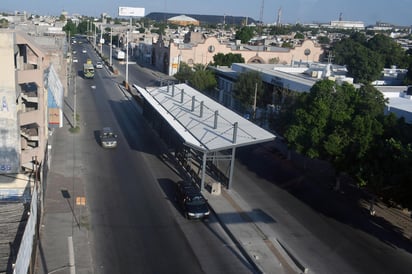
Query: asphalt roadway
257	220
64	245
275	213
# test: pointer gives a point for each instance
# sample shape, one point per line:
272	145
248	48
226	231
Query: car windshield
108	135
196	200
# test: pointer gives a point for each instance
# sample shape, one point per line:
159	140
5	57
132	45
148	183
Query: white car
108	138
99	65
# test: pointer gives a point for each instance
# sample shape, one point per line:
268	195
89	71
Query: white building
347	24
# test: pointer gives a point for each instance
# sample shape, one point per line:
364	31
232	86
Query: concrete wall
202	53
9	127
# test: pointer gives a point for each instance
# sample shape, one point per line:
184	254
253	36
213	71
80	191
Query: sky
397	12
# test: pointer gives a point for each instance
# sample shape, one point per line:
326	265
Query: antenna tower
279	17
261	12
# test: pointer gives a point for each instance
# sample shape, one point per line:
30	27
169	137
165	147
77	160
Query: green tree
82	27
363	64
247	84
221	59
392	53
70	28
185	72
299	35
203	79
287	44
245	34
4	23
323	40
339	124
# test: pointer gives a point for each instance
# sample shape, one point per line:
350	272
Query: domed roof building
183	20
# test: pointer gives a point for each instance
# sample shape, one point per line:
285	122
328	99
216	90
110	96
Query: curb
257	268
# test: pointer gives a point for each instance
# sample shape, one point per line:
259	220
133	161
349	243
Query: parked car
99	65
192	202
108	138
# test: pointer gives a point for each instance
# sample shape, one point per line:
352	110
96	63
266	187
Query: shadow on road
314	186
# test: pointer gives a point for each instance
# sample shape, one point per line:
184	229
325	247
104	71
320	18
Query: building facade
32	97
167	55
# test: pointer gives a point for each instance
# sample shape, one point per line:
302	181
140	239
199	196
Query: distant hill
203	19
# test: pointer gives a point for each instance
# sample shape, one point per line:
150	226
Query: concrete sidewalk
64	236
252	236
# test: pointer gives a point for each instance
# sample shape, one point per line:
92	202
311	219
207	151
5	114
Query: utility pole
75	103
127	54
101	38
111	46
254	101
94	37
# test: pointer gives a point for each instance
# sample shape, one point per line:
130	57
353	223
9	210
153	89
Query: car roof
189	189
107	129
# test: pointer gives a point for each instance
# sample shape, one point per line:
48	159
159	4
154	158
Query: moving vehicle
120	55
192	202
88	69
108	138
99	65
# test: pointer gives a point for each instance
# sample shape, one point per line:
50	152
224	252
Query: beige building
31	92
198	49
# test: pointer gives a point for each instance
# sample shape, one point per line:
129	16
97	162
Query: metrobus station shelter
199	131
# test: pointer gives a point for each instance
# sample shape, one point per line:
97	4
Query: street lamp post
130	12
111	46
94	38
127	54
101	39
254	102
74	104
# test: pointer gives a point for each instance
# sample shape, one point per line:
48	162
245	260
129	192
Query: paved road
128	222
324	231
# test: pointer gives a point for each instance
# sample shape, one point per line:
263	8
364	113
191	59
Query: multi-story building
200	49
31	101
31	95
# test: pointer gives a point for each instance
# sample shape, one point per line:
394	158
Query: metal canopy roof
203	123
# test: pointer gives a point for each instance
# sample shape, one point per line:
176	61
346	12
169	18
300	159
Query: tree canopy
245	34
228	59
347	127
199	77
245	87
365	59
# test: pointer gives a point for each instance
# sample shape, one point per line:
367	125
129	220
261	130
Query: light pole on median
94	38
127	54
130	12
101	39
111	46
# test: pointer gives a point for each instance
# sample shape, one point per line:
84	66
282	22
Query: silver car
108	138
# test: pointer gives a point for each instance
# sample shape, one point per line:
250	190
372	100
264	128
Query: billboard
131	12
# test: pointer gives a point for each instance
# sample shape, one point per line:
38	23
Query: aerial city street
213	137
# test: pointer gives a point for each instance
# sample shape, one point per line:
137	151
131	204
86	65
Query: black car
192	202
